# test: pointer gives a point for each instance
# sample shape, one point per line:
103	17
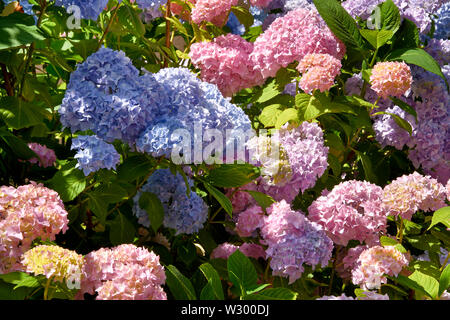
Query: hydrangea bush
173	149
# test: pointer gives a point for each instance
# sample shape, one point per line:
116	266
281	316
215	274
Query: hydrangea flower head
443	21
46	157
351	211
89	9
54	262
226	62
319	71
249	220
376	262
290	37
410	193
391	79
214	11
29	212
125	272
94	154
185	214
292	241
225	250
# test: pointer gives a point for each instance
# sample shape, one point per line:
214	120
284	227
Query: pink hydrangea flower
225	250
347	260
249	220
260	3
226	63
409	193
319	71
29	212
376	262
125	272
290	37
47	157
447	187
292	241
351	211
214	11
391	79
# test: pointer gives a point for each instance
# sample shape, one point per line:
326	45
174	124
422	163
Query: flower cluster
226	62
94	154
249	220
54	262
418	11
351	211
251	250
391	79
89	9
409	193
29	212
365	295
290	37
46	157
347	260
376	262
292	241
125	272
319	71
182	212
214	11
442	30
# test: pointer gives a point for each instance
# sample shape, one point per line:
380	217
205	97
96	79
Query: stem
400	230
108	26
445	262
31	49
7	78
215	214
168	37
47	285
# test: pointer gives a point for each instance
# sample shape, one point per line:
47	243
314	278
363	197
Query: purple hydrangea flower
292	241
443	22
94	154
182	212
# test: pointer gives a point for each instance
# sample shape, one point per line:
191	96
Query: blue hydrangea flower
94	154
150	4
106	95
185	214
443	22
90	9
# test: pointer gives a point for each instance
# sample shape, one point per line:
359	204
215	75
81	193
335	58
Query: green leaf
274	294
417	57
287	115
15	31
110	193
441	215
213	280
69	183
270	91
269	115
390	16
262	199
20	279
18	147
367	166
241	272
221	198
426	242
429	284
386	241
232	175
134	167
130	21
377	38
243	15
444	280
340	23
98	207
19	114
154	208
313	106
121	230
407	36
180	286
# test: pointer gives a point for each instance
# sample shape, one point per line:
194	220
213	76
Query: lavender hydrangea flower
89	9
94	154
185	214
293	240
443	22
